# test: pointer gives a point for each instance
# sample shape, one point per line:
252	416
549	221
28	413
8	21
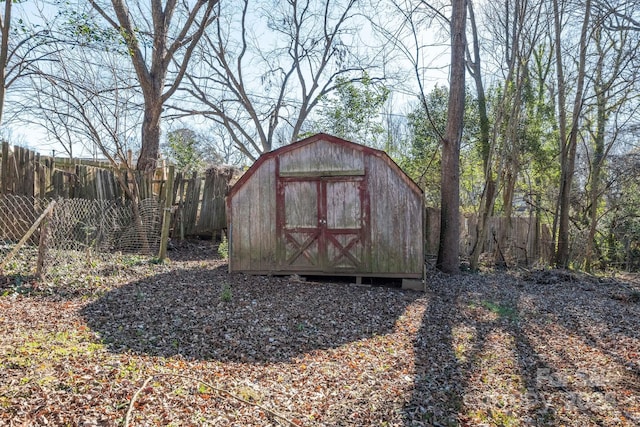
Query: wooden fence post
166	214
4	168
42	245
24	239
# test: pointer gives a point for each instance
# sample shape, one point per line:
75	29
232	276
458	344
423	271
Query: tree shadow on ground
437	395
503	349
604	311
588	338
209	314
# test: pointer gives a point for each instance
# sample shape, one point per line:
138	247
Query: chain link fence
58	239
18	247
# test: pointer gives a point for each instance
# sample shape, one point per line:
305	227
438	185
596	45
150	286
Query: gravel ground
185	343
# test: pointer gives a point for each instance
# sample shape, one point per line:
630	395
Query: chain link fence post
166	214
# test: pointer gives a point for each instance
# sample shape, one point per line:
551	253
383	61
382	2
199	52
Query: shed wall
322	158
253	222
396	221
392	209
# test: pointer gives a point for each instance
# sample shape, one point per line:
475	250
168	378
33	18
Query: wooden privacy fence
198	207
199	202
27	173
198	199
527	241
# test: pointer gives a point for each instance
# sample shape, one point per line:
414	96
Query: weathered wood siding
17	170
322	159
299	222
327	206
347	226
528	240
301	204
213	212
396	221
344	206
187	199
199	200
252	222
27	173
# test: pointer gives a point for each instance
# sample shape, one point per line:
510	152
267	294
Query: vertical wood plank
253	237
4	168
271	243
261	215
244	227
30	173
166	215
42	181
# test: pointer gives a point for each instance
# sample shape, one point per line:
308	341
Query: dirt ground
187	344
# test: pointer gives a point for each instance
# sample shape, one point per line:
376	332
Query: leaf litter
186	343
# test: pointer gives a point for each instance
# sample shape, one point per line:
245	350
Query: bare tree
406	42
161	39
614	77
5	26
87	101
89	97
219	141
22	46
568	135
262	84
488	193
624	14
406	39
516	29
449	249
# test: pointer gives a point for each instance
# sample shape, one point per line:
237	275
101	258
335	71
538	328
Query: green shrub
223	248
226	295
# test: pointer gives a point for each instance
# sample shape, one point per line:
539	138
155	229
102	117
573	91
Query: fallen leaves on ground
189	344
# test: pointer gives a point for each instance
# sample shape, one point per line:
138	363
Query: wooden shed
326	206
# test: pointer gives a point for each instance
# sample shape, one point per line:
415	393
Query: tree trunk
449	250
598	155
173	45
488	194
562	114
568	154
482	227
566	178
5	23
502	241
594	199
150	138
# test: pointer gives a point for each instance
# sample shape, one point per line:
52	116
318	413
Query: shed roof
333	140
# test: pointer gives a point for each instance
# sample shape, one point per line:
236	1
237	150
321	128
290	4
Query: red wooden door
299	225
343	223
322	224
